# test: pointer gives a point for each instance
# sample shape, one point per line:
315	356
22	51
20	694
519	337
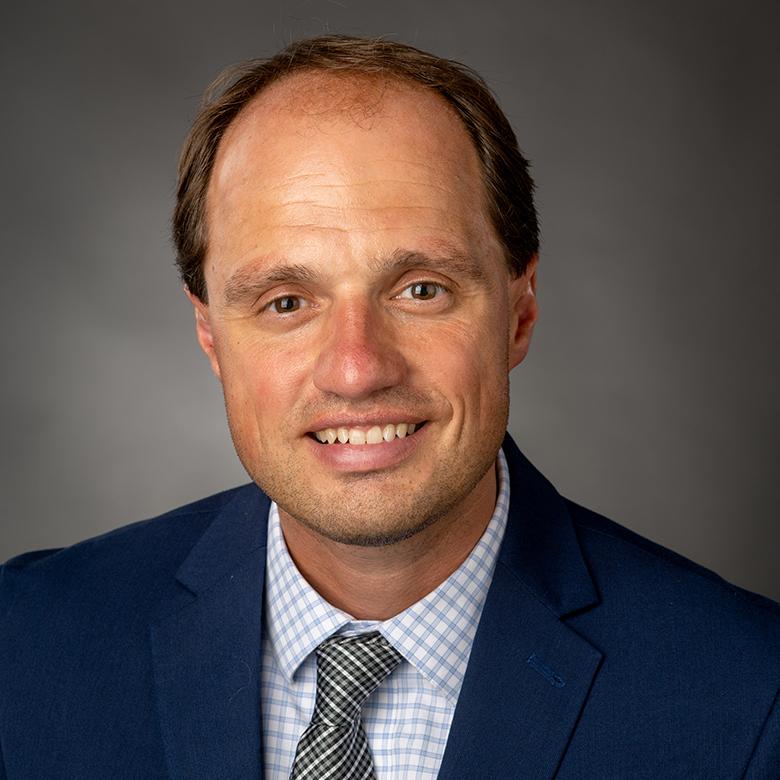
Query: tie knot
349	669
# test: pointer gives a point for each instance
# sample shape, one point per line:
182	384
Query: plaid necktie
349	669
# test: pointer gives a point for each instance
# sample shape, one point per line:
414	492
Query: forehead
355	153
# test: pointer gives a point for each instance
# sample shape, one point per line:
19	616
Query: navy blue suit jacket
598	655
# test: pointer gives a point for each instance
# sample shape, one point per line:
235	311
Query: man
400	594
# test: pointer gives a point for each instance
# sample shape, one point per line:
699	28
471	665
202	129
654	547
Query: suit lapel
528	674
206	648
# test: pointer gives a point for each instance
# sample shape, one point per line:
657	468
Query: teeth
374	435
356	436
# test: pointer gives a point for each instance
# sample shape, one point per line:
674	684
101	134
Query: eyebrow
450	262
248	283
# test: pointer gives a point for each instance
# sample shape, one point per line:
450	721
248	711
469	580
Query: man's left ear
523	311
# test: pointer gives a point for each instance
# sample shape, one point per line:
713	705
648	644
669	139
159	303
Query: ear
523	312
204	332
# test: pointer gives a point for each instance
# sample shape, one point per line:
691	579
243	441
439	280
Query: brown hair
505	171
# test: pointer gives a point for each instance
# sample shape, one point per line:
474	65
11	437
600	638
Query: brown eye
424	291
286	304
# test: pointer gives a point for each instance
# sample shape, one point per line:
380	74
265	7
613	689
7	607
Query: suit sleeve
765	761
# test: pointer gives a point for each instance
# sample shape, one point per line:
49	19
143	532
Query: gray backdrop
651	392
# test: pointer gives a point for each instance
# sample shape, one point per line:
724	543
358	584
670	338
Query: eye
422	291
285	304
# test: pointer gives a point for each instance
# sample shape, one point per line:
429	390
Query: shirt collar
434	634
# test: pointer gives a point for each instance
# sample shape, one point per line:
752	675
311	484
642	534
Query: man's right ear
204	332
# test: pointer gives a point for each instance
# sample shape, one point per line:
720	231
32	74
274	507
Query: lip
364	458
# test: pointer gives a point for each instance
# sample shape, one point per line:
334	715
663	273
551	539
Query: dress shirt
407	719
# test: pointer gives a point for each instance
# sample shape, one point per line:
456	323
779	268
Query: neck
376	583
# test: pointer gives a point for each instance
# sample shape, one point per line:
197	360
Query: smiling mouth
375	434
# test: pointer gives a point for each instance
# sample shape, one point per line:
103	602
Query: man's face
356	288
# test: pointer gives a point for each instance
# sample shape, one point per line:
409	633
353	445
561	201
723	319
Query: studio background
651	390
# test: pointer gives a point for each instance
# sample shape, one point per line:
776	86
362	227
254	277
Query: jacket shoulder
125	561
631	567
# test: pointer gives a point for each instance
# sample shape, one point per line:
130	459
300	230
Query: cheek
467	364
261	385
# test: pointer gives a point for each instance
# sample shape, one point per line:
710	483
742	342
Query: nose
360	354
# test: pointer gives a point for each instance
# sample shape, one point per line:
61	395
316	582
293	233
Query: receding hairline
308	82
304	91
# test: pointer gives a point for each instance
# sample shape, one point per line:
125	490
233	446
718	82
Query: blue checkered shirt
407	719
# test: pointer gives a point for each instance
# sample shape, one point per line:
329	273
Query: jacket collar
541	546
238	531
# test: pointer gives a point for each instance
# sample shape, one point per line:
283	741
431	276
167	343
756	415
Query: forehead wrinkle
354	207
346	185
311	198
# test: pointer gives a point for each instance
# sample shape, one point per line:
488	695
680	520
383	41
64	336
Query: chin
354	515
366	537
364	523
